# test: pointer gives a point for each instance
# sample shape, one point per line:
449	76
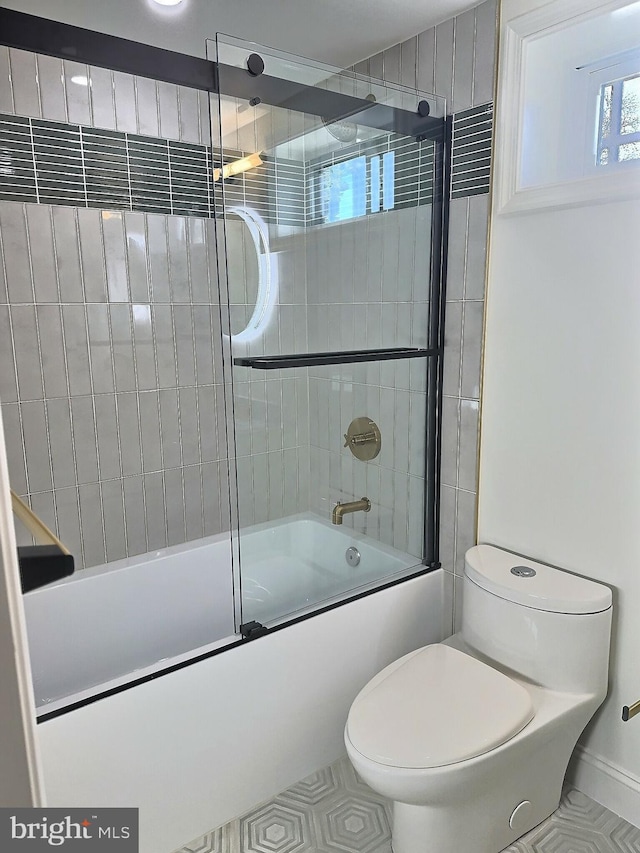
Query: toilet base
421	829
482	826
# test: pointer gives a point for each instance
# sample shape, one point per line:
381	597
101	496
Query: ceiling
337	32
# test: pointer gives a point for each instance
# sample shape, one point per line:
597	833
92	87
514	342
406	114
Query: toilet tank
546	624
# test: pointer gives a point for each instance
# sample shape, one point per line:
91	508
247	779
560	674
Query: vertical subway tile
24	76
467	474
444	61
68	513
134	515
60	440
43	504
472	349
401	432
484	64
129	429
206	115
113	513
213	492
155	511
203	340
100	348
465	26
178	263
189	112
168	104
170	429
91	520
15	248
426	61
391	64
183	332
15	451
54	369
275	475
174	502
106	425
408	60
92	255
27	354
158	257
143	346
452	349
102	104
67	254
376	66
198	261
207	425
448	498
164	342
122	344
150	431
147	106
36	446
136	245
8	385
125	102
189	443
52	94
84	437
6	89
194	527
116	256
450	430
76	79
43	265
456	260
465	527
77	349
476	247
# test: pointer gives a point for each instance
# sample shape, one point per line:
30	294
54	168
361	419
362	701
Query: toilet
471	737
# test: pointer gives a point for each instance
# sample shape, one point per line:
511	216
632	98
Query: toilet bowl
471	737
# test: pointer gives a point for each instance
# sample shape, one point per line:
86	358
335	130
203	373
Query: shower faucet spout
340	509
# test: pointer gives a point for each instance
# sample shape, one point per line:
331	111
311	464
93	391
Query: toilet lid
436	706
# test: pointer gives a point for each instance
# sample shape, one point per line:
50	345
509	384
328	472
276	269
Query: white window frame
585	185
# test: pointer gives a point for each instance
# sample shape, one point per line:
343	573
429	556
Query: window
619	121
357	186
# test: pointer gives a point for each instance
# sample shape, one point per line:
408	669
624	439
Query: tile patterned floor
332	811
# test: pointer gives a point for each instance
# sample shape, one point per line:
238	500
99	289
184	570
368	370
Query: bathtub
105	626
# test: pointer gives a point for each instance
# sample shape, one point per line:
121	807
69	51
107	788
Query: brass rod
38	529
629	711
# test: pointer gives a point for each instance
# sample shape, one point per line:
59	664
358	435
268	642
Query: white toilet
471	737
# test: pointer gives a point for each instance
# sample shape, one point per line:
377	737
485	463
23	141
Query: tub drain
352	556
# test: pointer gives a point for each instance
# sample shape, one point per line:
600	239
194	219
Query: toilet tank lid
549	589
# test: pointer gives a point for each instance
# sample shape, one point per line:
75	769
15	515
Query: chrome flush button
523	571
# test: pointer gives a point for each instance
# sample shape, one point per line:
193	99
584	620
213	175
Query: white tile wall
62	90
112	408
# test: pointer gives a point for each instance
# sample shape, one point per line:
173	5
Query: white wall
560	447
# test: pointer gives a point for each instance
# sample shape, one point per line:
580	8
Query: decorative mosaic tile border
472	134
50	162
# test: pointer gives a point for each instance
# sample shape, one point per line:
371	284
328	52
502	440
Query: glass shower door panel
324	192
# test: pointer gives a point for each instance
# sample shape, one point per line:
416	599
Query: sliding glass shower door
329	210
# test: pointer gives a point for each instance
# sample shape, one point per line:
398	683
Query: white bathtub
94	631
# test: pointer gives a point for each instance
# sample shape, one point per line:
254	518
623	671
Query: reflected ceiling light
167	2
80	80
238	166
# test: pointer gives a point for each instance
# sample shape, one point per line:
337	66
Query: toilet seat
436	706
